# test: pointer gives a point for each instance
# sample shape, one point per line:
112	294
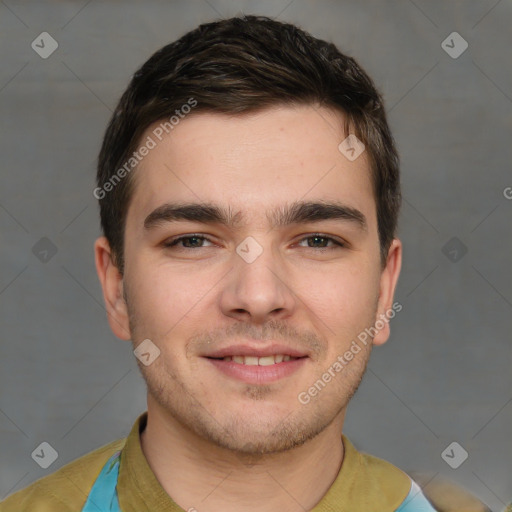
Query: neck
203	477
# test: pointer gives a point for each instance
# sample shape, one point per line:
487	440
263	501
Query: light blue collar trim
415	501
103	495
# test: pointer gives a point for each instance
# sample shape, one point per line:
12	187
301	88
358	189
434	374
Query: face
252	300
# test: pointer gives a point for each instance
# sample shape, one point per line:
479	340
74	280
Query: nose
258	291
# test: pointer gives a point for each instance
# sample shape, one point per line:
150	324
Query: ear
388	280
112	284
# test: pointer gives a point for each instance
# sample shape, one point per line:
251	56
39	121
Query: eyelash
174	242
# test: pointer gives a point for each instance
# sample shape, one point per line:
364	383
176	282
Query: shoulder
447	496
66	489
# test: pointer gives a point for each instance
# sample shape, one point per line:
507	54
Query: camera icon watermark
44	250
44	45
351	148
249	249
454	250
454	45
45	455
146	352
454	455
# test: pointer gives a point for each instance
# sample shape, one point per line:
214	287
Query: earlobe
112	285
388	281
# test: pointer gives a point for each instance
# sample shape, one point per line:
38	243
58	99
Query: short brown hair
238	65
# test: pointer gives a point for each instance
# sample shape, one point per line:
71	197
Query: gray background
445	375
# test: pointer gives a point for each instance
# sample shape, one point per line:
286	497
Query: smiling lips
256	365
247	350
259	361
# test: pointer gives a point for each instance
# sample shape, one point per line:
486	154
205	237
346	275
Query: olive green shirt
364	483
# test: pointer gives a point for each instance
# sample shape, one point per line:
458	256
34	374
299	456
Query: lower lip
255	374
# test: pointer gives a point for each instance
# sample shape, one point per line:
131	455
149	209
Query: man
249	193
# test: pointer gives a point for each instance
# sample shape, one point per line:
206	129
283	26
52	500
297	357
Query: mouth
258	361
255	365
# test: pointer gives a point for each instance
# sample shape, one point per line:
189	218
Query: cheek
160	298
345	300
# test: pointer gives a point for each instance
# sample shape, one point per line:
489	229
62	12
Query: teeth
259	361
266	361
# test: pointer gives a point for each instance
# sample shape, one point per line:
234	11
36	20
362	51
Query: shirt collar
363	483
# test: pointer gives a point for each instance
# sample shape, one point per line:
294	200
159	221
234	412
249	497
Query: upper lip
248	350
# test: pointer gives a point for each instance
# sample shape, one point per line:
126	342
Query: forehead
252	162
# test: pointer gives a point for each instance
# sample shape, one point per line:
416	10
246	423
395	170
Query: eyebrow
298	212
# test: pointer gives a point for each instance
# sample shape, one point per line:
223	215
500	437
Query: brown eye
320	241
187	242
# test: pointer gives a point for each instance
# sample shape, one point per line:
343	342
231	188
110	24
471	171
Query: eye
192	241
319	238
197	241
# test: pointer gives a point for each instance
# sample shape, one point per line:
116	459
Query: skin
214	442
